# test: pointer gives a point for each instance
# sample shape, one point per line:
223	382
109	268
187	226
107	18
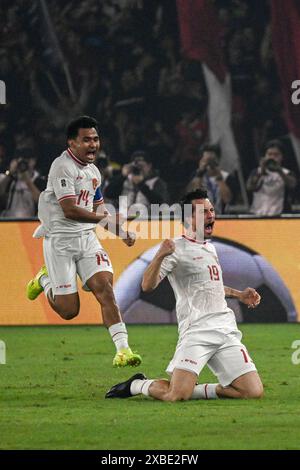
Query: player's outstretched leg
101	284
34	288
122	390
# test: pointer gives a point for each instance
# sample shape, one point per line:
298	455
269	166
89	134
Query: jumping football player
67	210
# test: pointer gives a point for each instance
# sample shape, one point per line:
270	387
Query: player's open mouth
91	154
209	227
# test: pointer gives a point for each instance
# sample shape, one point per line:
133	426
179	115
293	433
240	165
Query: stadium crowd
120	61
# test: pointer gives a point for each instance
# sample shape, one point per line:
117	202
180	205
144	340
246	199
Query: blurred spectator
192	133
20	186
139	182
121	60
3	157
271	184
159	145
108	170
211	177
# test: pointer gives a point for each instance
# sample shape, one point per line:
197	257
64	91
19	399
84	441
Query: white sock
46	284
140	386
204	391
44	280
119	335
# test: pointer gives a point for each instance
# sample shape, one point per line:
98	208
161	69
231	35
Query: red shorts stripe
244	355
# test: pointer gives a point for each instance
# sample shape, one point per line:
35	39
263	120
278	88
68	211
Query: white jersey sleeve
63	181
168	265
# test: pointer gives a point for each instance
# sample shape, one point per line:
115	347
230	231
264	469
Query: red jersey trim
194	241
100	201
69	196
71	154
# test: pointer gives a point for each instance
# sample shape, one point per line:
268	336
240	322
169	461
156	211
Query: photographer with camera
271	184
20	187
210	176
139	182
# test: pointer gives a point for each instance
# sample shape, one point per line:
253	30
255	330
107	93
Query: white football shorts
67	256
223	353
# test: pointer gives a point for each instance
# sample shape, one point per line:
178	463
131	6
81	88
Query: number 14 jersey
69	178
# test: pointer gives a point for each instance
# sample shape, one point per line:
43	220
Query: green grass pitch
52	394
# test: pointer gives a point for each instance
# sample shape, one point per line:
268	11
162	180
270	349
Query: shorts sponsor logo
63	286
189	360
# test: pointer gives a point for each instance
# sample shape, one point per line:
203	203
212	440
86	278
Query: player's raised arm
248	296
151	277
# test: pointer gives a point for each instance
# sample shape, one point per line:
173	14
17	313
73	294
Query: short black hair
141	154
26	153
199	193
82	122
274	143
211	148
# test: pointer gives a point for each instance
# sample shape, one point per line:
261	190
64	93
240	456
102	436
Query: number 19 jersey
195	275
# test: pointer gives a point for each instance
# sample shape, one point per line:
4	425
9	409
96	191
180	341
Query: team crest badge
95	183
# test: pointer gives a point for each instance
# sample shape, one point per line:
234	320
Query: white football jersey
195	275
69	178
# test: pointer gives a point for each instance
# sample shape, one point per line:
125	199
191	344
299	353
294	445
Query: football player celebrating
68	211
208	332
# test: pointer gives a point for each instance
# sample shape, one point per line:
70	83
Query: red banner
201	34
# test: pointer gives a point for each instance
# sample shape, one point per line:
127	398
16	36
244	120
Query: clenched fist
250	297
130	239
166	248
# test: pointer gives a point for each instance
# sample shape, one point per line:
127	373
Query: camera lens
135	170
22	165
271	164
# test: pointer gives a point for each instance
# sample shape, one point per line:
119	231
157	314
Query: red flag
201	34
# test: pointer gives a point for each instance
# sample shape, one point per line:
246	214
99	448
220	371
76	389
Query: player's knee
256	391
68	312
69	315
178	396
105	294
